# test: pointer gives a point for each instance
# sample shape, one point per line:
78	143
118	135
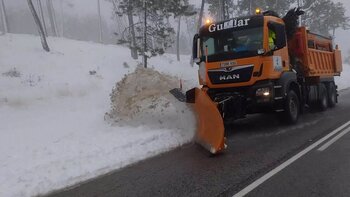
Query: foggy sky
88	7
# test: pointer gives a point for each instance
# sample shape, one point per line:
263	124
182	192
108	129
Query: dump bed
315	54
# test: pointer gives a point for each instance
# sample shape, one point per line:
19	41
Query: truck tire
291	108
332	95
322	101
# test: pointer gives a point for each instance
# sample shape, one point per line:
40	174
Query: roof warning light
208	21
257	11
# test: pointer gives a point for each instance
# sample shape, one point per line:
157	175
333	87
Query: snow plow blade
210	132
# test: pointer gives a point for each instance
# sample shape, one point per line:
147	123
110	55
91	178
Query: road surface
257	146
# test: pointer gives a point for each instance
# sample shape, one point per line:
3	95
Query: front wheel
291	108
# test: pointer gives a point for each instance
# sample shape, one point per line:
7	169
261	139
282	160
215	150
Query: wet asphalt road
256	145
318	173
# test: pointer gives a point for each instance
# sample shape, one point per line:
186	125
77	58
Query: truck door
277	46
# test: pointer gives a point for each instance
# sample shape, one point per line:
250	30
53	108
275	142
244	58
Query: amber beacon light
208	21
257	11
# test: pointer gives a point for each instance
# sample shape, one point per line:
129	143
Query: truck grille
235	74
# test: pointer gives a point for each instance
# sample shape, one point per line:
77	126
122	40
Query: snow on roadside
343	81
142	98
52	107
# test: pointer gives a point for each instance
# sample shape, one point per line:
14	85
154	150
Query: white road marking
267	176
330	142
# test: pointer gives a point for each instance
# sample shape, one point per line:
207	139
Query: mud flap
210	132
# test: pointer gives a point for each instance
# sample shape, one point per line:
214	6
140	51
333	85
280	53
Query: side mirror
196	49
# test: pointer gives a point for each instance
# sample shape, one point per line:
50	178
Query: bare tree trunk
276	5
4	17
225	10
200	16
133	46
145	34
99	20
221	10
62	19
52	17
223	6
300	4
41	13
250	7
178	38
39	26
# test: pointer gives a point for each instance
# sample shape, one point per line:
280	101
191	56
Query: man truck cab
248	65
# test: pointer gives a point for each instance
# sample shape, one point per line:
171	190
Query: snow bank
142	98
52	107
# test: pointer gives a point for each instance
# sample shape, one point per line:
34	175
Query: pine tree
325	16
129	8
159	33
184	10
221	9
279	6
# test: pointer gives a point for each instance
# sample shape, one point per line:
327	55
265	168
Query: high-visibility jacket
272	38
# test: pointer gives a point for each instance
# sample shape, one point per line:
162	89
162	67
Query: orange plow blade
211	132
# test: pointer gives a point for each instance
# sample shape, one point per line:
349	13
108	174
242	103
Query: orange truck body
298	71
316	53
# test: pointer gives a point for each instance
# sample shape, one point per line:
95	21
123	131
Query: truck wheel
323	98
292	108
332	95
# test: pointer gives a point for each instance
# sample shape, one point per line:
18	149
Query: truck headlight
263	92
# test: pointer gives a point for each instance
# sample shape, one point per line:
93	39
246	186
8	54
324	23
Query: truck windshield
225	45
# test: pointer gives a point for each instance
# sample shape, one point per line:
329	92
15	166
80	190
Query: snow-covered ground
52	110
343	81
53	107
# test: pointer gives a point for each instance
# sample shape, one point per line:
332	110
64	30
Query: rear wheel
332	95
322	101
292	108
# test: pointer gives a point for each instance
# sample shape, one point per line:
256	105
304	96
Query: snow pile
142	98
52	109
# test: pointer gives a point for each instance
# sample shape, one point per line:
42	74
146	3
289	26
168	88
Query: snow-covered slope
52	109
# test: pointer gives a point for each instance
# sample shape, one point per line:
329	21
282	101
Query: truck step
277	87
278	98
279	110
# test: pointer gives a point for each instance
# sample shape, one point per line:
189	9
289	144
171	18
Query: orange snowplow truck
259	64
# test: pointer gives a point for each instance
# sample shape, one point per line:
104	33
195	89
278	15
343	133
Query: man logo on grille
229	77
